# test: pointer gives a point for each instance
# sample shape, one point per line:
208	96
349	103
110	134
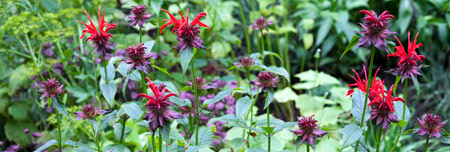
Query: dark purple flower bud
210	106
230	110
210	68
229	100
138	16
134	95
26	131
430	125
375	29
261	23
233	84
121	53
308	130
50	88
266	80
200	83
47	49
245	63
165	53
36	134
88	112
138	58
70	40
58	67
219	106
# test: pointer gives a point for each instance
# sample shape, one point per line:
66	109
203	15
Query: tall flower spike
137	57
50	88
187	32
407	65
138	16
159	106
430	125
99	37
375	29
383	109
309	130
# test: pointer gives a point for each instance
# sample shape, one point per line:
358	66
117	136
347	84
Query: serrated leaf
218	97
61	108
242	106
46	145
358	99
132	110
205	136
109	91
353	42
351	134
186	56
269	98
177	136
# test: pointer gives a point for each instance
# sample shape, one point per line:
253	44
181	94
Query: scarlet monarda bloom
266	80
308	130
137	57
200	83
99	36
375	29
362	84
261	23
407	65
187	32
50	88
245	63
383	109
430	125
159	106
89	112
138	16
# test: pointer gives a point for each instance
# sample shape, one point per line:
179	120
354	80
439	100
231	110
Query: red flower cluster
383	107
265	80
50	88
375	29
100	37
308	130
362	84
187	32
137	57
159	111
407	65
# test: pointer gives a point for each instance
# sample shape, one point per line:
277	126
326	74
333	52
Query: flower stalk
244	21
58	123
196	97
160	140
426	144
268	124
262	46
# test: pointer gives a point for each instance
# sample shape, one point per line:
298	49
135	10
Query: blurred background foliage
308	35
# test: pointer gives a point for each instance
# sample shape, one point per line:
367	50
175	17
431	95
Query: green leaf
445	139
109	91
268	130
116	148
269	98
285	95
124	87
277	70
61	108
308	40
266	53
132	110
46	145
186	88
95	126
219	96
242	106
230	118
177	136
353	42
308	24
284	125
351	134
156	6
397	79
163	70
398	107
180	102
205	136
417	85
408	131
231	68
111	71
17	111
149	45
405	13
358	99
185	58
106	119
324	30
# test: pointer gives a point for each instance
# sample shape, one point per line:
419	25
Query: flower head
50	88
138	16
362	84
261	23
375	29
407	65
430	124
187	32
99	36
245	63
159	106
89	112
137	57
383	108
200	83
266	80
47	49
308	130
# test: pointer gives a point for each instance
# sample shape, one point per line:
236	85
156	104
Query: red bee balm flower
407	65
50	88
309	130
187	32
159	111
265	80
430	124
362	84
101	37
89	112
138	16
383	109
375	28
137	57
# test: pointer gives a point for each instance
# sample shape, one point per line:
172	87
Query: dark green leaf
242	106
163	70
269	98
132	110
61	108
351	134
149	45
46	145
177	136
106	119
358	99
219	96
416	84
324	30
111	71
180	102
185	58
353	42
109	91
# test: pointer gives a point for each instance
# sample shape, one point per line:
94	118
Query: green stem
369	84
268	126
160	140
426	144
244	22
123	130
403	114
251	117
96	139
269	48
302	66
153	142
262	46
196	98
307	147
58	123
140	35
286	49
143	83
379	134
251	97
105	64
